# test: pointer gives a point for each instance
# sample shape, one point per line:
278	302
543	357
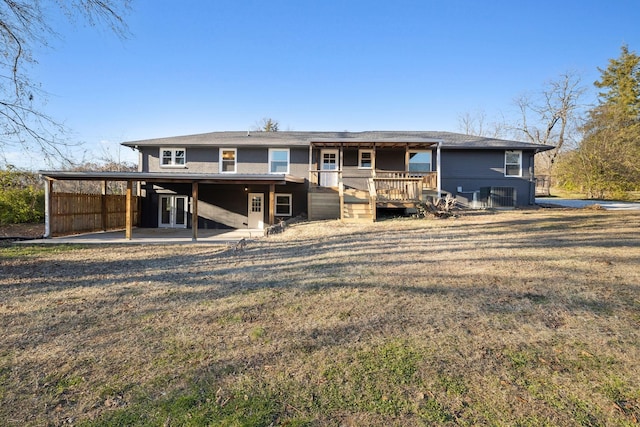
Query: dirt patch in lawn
514	318
27	231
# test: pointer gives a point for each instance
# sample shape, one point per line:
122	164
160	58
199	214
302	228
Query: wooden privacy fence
85	213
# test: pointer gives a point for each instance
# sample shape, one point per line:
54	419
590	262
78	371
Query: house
253	179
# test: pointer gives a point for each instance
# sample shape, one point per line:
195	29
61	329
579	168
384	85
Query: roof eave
170	177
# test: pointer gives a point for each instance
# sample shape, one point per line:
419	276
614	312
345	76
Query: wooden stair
357	207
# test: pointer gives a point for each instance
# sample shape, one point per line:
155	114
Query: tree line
595	147
606	161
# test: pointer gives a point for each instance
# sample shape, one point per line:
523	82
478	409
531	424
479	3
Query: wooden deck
400	190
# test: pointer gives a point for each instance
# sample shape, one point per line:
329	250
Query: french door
173	211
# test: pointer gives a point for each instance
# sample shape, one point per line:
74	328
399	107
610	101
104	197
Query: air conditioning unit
498	197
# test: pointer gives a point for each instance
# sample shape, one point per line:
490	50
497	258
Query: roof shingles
449	140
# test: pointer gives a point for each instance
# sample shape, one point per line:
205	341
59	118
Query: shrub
21	205
20	199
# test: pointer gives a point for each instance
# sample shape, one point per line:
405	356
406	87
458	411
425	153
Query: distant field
522	318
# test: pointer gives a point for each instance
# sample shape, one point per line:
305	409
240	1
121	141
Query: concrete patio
144	236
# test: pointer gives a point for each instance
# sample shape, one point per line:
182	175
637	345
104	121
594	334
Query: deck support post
194	211
129	211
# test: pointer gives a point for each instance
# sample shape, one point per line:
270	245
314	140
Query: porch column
272	204
48	198
438	171
311	163
129	212
194	210
373	161
407	158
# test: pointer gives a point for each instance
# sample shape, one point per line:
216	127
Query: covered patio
131	178
155	236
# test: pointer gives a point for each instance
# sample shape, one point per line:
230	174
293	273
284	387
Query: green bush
21	205
20	198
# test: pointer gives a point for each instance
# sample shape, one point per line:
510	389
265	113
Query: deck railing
398	189
388	185
429	179
325	178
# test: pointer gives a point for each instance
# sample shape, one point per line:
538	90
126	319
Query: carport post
129	212
103	206
194	210
272	204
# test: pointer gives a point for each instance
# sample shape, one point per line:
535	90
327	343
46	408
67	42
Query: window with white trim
419	161
365	159
228	160
279	160
173	157
283	204
513	163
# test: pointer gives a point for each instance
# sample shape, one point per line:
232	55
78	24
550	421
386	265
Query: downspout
438	171
48	192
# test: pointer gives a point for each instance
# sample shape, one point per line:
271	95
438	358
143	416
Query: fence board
83	213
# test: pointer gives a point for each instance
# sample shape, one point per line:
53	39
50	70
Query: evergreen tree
605	163
621	84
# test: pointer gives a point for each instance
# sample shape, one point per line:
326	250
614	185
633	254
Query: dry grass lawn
518	318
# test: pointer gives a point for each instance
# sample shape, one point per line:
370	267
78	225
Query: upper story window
419	161
279	160
513	163
173	156
365	159
228	160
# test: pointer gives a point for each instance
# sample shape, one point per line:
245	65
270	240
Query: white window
173	157
228	160
513	163
283	204
279	160
365	159
419	161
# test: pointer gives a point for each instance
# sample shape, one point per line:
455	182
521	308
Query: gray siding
390	160
198	160
474	169
250	160
232	198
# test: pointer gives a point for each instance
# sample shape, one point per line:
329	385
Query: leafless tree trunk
552	116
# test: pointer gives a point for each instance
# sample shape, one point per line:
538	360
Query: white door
173	212
256	210
329	163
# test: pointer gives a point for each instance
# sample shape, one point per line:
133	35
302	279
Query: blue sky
200	66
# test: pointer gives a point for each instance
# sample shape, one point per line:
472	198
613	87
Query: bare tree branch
25	26
552	116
